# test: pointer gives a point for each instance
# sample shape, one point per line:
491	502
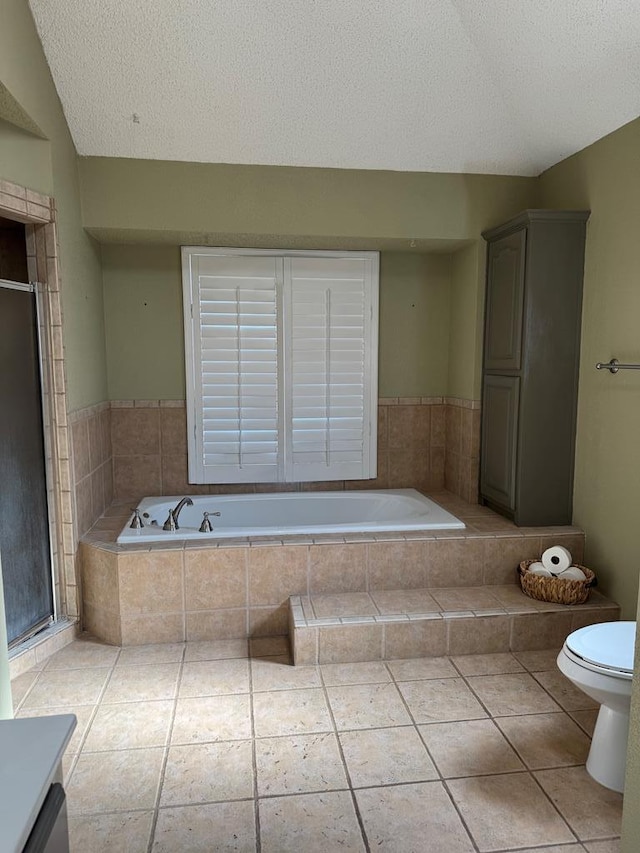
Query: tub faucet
172	521
136	522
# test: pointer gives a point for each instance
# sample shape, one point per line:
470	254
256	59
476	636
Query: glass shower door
24	519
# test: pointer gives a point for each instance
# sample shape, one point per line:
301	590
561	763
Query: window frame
196	467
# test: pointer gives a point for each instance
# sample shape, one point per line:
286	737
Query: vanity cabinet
33	811
530	366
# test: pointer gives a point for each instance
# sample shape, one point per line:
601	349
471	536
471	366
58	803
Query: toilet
598	659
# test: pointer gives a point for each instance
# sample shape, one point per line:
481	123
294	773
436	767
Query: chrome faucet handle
206	527
170	524
136	522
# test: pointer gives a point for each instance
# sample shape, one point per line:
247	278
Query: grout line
74	815
247	584
459	813
19	705
254	759
554	806
549	693
317	791
165	757
183	565
345	767
189	804
440	777
367	568
521	756
582	726
92	716
492	717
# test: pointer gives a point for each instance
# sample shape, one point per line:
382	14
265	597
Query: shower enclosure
24	518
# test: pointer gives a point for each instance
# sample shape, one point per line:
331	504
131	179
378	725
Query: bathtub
290	513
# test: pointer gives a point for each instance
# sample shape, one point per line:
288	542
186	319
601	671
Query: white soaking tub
289	513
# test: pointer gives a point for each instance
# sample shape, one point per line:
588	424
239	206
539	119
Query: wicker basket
555	590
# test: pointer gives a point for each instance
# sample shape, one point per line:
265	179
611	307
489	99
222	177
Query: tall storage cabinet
530	368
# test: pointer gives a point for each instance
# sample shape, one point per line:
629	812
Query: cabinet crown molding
535	215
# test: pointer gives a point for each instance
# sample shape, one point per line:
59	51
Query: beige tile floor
203	747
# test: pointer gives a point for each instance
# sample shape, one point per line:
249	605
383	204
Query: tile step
391	624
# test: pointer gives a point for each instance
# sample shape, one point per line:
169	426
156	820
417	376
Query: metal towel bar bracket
614	366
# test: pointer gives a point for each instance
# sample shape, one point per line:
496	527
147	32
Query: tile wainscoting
462	448
92	463
423	443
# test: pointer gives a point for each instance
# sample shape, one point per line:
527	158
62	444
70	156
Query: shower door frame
38	213
36	289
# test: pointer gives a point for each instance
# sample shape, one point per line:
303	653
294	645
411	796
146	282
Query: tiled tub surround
462	448
92	463
135	595
180	744
149	440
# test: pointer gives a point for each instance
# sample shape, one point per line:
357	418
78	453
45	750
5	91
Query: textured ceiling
492	86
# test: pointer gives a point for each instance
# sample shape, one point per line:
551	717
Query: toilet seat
606	647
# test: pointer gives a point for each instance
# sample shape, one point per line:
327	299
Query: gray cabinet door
505	294
499	439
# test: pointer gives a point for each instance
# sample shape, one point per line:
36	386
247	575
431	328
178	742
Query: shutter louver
329	308
237	369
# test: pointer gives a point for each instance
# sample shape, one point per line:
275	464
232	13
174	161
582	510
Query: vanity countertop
31	750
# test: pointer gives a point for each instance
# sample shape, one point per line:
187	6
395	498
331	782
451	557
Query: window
281	357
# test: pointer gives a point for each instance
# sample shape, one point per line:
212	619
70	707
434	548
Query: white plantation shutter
329	310
281	365
235	421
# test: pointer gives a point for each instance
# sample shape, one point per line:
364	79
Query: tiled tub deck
350	598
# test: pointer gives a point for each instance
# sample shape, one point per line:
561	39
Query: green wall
47	162
144	324
467	312
25	159
414	324
142	210
606	178
212	204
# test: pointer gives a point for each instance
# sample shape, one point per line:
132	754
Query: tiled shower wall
423	443
92	463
